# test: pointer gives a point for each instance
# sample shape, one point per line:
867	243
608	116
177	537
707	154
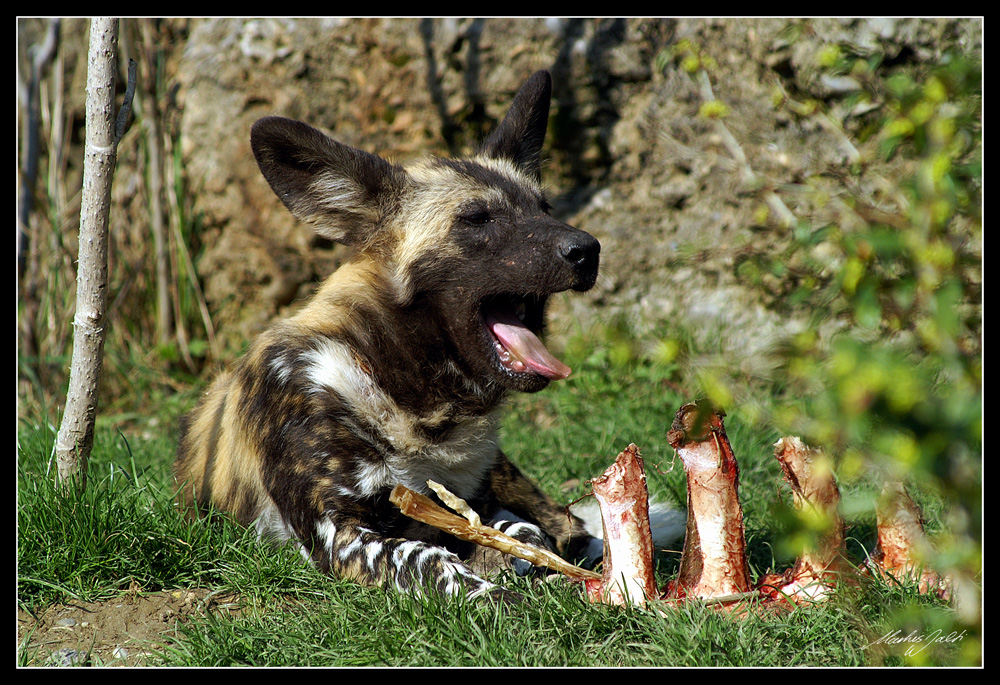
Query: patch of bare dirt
130	630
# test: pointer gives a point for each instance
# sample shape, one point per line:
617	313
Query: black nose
582	252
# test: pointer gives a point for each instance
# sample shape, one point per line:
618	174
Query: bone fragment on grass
714	562
459	505
628	576
469	528
815	495
903	547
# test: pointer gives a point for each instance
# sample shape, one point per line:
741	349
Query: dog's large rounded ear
342	191
519	136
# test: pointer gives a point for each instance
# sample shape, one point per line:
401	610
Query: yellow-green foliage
901	385
897	392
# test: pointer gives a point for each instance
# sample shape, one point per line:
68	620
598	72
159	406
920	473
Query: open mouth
514	323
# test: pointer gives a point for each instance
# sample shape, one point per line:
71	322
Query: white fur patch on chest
460	461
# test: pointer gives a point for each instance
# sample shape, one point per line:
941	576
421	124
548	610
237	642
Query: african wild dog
396	370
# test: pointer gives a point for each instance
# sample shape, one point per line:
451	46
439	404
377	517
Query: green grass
124	528
92	544
552	628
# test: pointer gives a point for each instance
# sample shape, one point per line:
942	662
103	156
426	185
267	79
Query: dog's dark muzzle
581	252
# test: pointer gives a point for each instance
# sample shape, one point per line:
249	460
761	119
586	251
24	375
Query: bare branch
40	56
76	432
122	120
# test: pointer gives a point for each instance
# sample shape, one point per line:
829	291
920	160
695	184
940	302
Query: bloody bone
714	562
814	494
628	543
902	542
425	510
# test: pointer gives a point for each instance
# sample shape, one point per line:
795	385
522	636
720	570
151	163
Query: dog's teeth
502	352
508	360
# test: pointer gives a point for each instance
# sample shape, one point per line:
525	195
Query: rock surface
629	158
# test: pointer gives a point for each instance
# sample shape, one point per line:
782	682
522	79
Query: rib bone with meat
714	562
628	542
815	495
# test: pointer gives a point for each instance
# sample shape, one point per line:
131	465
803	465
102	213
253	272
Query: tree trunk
76	433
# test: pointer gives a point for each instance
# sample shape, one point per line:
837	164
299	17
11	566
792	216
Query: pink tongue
524	346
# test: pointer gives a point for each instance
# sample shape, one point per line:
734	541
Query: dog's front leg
515	493
347	549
